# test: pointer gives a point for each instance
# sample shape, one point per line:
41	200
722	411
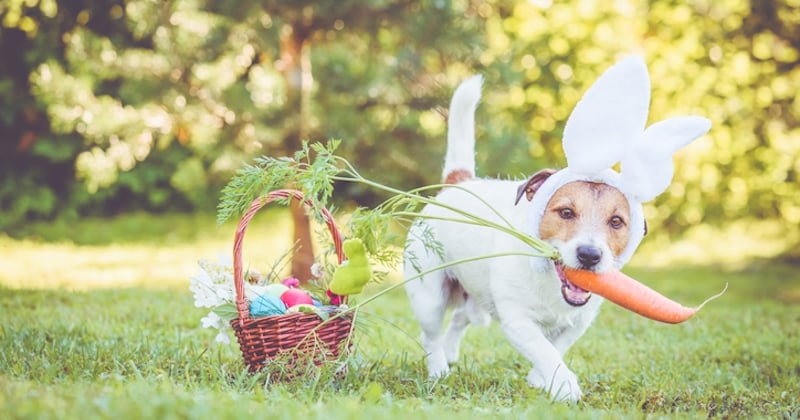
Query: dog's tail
459	161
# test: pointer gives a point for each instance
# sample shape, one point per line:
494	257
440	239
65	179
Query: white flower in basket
213	288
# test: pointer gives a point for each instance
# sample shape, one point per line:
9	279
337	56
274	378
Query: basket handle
242	305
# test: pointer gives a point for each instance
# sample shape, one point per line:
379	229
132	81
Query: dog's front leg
513	291
549	371
578	326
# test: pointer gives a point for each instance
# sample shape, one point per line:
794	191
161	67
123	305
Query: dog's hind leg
428	296
455	332
466	313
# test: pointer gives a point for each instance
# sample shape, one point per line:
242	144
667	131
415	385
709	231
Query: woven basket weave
295	338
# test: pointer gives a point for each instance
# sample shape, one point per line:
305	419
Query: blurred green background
110	107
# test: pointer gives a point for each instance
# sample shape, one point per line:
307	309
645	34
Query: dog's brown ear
533	183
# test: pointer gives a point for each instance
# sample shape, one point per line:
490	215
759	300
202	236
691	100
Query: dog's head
589	223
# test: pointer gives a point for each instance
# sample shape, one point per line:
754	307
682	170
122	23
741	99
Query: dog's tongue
574	295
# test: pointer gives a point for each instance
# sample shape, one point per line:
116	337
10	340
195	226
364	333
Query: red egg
293	297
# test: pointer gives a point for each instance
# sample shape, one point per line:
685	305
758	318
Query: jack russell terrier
589	212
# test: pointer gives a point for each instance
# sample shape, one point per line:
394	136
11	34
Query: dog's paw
561	384
438	372
437	365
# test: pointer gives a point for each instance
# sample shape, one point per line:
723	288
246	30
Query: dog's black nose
589	256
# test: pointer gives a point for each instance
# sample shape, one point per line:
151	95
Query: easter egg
266	305
293	297
275	289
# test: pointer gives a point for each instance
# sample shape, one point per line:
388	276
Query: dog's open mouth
572	294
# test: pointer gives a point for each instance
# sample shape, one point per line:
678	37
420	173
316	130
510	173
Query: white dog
590	213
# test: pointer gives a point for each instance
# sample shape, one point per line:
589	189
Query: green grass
98	322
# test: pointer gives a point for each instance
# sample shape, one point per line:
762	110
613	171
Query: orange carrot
634	296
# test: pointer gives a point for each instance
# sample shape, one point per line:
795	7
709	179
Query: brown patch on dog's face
592	213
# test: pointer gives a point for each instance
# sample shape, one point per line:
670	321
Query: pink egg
293	297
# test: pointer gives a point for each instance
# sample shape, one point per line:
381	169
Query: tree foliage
111	105
733	61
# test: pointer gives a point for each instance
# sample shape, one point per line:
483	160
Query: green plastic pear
351	276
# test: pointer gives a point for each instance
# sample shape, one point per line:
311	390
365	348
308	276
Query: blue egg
316	303
266	305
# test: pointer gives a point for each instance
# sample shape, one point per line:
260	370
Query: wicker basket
295	339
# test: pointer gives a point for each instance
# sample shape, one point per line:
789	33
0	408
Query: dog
593	225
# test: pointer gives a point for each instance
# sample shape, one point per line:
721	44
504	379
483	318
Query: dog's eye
616	222
566	213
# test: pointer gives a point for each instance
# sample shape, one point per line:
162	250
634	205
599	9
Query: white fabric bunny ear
609	118
646	170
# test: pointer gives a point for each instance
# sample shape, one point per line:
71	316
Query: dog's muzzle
572	294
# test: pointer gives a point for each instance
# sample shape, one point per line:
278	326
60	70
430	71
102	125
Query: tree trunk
303	257
295	65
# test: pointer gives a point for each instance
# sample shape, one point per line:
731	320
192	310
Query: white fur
461	130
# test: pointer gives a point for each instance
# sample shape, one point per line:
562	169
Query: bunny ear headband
607	127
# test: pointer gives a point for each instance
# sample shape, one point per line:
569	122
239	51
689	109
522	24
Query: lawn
98	322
